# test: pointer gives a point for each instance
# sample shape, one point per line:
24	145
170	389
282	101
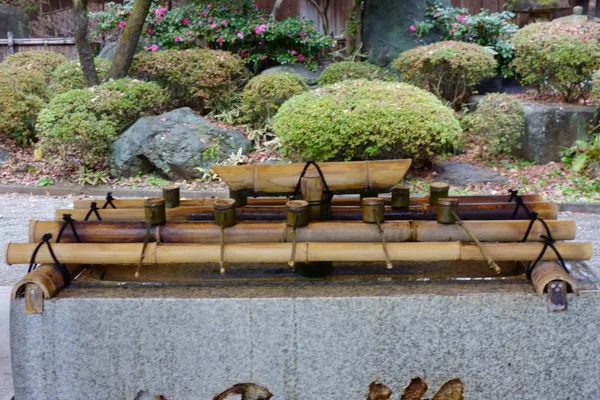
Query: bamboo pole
342	177
279	253
485	211
47	278
312	191
339	201
344	231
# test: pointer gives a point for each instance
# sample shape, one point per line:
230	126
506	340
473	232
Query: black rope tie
62	268
93	209
326	199
534	217
518	199
68	222
109	201
548	242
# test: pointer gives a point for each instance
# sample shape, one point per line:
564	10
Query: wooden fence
65	46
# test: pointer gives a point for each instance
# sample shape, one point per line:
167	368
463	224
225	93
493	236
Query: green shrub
68	76
345	70
22	95
499	120
558	56
194	77
449	69
360	119
84	122
23	81
43	61
264	94
584	157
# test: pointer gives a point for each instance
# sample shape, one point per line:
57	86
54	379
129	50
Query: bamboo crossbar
129	253
341	177
339	201
484	211
257	232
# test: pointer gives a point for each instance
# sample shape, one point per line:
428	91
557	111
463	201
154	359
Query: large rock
386	27
13	19
459	174
108	51
549	128
296	69
174	144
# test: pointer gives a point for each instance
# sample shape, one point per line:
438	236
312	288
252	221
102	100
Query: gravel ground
18	209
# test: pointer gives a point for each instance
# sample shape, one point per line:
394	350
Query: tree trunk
86	58
322	11
591	10
276	7
129	40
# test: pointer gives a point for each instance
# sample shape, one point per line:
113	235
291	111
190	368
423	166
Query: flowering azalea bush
244	30
491	30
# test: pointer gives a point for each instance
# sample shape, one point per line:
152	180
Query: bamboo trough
474	211
337	201
342	177
305	252
346	231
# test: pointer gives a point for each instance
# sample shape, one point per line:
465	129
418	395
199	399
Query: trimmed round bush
596	90
345	70
360	119
22	95
84	122
558	56
264	94
448	69
24	78
499	120
196	78
43	61
68	76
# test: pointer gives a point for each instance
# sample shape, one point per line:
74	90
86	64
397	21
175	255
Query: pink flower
460	18
455	26
213	26
300	57
122	24
220	40
224	22
263	58
185	21
201	23
154	47
178	38
203	13
260	29
293	52
210	19
190	40
209	6
452	31
262	19
302	33
437	15
160	11
149	31
412	28
240	35
189	33
244	54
